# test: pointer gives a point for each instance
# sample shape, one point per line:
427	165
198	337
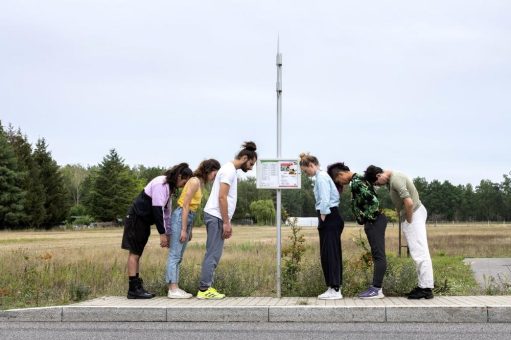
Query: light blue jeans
177	249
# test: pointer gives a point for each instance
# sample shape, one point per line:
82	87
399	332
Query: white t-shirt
226	174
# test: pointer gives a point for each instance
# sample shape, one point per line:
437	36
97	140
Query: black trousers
376	236
330	247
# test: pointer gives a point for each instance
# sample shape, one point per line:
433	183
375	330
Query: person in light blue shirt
330	225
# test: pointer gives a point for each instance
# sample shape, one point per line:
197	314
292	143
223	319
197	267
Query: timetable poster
278	174
288	175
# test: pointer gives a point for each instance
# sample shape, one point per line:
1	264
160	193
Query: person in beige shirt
413	215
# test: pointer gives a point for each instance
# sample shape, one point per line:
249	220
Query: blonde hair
307	158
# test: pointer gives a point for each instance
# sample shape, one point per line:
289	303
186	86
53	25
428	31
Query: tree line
35	192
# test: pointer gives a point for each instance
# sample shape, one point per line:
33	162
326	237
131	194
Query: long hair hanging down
173	173
205	168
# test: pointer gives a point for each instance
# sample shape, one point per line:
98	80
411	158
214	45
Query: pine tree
88	189
55	203
114	189
12	196
30	179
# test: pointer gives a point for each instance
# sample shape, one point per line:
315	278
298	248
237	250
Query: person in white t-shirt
218	213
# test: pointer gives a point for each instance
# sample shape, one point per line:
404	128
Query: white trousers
417	239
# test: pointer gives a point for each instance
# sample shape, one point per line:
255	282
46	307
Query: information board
278	174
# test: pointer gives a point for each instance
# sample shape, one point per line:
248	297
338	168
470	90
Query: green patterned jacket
364	203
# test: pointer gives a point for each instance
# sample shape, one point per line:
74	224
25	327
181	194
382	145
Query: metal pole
279	149
399	223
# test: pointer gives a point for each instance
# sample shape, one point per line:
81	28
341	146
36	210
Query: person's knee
420	257
133	257
378	257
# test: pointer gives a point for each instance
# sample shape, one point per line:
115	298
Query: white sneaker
178	294
330	294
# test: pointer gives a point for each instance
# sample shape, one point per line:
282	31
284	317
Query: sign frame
272	174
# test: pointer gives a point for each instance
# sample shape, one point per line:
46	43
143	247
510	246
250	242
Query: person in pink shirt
152	206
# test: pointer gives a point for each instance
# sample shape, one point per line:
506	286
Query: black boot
142	286
136	291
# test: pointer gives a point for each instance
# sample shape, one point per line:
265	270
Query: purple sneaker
372	293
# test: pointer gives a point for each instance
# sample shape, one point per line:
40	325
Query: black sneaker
413	291
420	293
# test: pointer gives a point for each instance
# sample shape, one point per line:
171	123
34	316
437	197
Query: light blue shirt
325	192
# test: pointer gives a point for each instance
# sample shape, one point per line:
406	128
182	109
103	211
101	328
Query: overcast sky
418	86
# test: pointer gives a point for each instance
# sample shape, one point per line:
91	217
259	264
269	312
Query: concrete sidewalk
479	309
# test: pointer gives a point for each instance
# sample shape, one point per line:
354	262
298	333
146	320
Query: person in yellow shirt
182	222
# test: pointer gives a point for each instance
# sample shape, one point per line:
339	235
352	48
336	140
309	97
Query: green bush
77	210
292	258
78	216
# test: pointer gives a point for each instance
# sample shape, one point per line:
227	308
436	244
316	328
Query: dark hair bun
250	146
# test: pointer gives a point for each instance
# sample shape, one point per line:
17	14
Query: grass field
57	267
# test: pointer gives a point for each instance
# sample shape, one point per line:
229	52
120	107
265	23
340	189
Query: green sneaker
210	293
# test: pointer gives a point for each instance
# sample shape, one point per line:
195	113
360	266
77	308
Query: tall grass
56	267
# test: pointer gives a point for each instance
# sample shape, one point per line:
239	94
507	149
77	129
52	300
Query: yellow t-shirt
196	199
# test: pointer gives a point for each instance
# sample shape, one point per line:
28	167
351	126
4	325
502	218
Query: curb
481	309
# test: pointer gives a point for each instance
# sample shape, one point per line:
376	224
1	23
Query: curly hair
205	168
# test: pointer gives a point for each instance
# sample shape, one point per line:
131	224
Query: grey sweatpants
214	249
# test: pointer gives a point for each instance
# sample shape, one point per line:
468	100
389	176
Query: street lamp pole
279	154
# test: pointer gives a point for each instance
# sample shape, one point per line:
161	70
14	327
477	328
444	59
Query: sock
379	287
131	278
336	288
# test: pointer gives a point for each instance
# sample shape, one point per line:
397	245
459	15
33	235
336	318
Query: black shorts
136	234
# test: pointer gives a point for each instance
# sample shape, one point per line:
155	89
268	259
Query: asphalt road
252	331
491	271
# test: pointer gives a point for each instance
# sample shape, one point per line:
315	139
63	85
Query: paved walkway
490	272
480	309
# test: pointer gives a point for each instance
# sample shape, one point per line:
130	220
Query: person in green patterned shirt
366	209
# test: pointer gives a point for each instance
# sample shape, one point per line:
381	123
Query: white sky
421	87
